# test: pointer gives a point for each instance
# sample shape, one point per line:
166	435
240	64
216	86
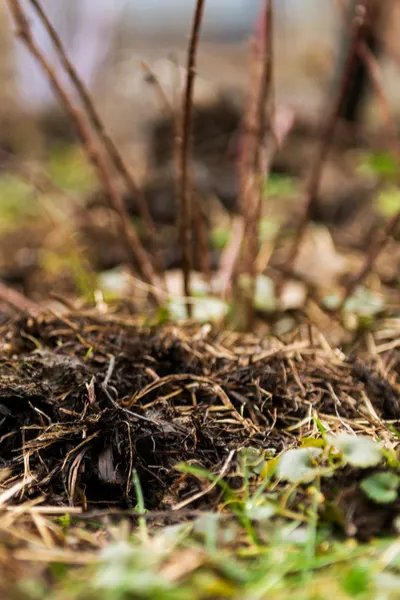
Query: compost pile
86	399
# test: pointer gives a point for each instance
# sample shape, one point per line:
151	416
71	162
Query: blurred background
107	40
114	44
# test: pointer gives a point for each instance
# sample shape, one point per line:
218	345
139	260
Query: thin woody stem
358	31
183	141
382	238
133	245
264	56
94	116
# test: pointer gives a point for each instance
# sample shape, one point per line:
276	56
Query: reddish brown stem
230	256
18	301
329	130
115	155
202	246
376	80
383	236
133	245
377	245
254	209
185	195
374	72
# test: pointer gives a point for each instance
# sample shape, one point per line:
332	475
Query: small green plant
382	488
69	170
280	186
220	236
16	200
357	450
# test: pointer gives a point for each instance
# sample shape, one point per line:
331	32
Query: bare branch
183	141
259	160
115	155
133	245
382	238
19	302
358	31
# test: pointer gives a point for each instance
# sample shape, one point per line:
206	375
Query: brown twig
199	217
253	203
201	238
383	236
115	155
377	245
153	80
18	301
252	166
133	245
229	257
254	160
231	254
371	64
376	79
357	33
185	216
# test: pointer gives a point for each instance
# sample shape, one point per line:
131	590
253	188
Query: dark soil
85	399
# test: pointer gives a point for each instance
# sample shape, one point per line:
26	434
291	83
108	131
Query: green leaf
268	230
388	201
320	426
204	309
364	303
251	455
220	236
383	164
260	511
357	580
115	283
15	200
310	442
69	169
162	316
299	464
252	458
381	487
269	468
332	301
395	431
65	521
357	450
264	294
280	186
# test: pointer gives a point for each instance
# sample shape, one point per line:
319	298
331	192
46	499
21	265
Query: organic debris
86	400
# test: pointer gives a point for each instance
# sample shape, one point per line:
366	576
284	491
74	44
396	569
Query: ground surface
104	420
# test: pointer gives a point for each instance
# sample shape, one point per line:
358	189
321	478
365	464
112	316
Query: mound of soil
86	399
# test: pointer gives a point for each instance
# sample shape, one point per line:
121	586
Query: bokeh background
107	41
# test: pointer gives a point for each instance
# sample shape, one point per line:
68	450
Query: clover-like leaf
298	464
205	309
357	450
382	488
252	459
260	511
264	293
364	303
